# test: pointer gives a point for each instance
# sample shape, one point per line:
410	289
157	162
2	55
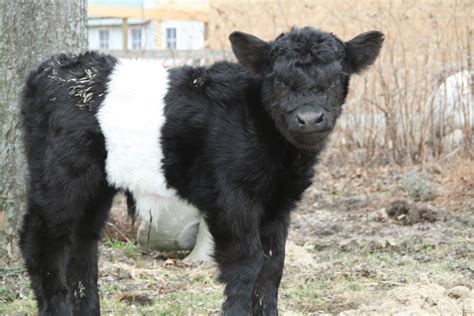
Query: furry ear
249	50
362	50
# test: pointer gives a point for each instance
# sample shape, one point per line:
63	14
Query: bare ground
360	244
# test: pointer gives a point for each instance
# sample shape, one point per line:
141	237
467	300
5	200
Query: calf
237	141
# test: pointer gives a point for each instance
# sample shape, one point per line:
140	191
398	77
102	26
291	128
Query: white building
106	33
182	35
106	29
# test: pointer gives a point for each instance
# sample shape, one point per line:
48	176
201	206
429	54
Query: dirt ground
376	240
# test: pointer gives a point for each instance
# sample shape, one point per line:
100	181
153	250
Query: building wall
187	17
116	34
189	34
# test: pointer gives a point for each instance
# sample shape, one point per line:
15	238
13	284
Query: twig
120	232
391	282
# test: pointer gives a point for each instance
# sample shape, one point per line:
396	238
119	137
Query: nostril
300	120
320	118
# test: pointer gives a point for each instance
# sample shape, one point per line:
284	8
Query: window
136	38
104	39
171	38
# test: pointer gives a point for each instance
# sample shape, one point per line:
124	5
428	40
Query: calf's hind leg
82	270
59	245
44	243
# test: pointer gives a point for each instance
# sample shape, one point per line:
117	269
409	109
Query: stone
458	292
172	231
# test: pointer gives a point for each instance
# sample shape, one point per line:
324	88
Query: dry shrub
391	113
398	116
119	226
458	184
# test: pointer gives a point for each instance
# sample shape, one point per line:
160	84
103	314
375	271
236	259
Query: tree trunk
30	31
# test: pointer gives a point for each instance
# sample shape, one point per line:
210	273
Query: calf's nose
309	118
311	121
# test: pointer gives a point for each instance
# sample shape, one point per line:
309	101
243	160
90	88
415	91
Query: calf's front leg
239	255
273	234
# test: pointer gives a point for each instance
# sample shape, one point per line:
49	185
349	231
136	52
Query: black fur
240	142
68	196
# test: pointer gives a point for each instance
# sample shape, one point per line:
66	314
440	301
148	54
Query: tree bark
30	31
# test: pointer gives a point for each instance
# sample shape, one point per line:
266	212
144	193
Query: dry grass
344	252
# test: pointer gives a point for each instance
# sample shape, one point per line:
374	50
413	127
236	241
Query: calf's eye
278	82
334	82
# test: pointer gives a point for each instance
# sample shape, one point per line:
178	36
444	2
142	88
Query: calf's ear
362	50
249	50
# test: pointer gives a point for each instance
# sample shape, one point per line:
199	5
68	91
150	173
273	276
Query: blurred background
387	225
394	112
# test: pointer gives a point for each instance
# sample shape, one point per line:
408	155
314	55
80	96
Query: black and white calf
236	141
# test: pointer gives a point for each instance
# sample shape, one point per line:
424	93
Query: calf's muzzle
309	120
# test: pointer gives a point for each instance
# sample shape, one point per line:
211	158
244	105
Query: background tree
30	31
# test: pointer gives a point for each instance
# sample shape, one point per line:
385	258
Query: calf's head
305	77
